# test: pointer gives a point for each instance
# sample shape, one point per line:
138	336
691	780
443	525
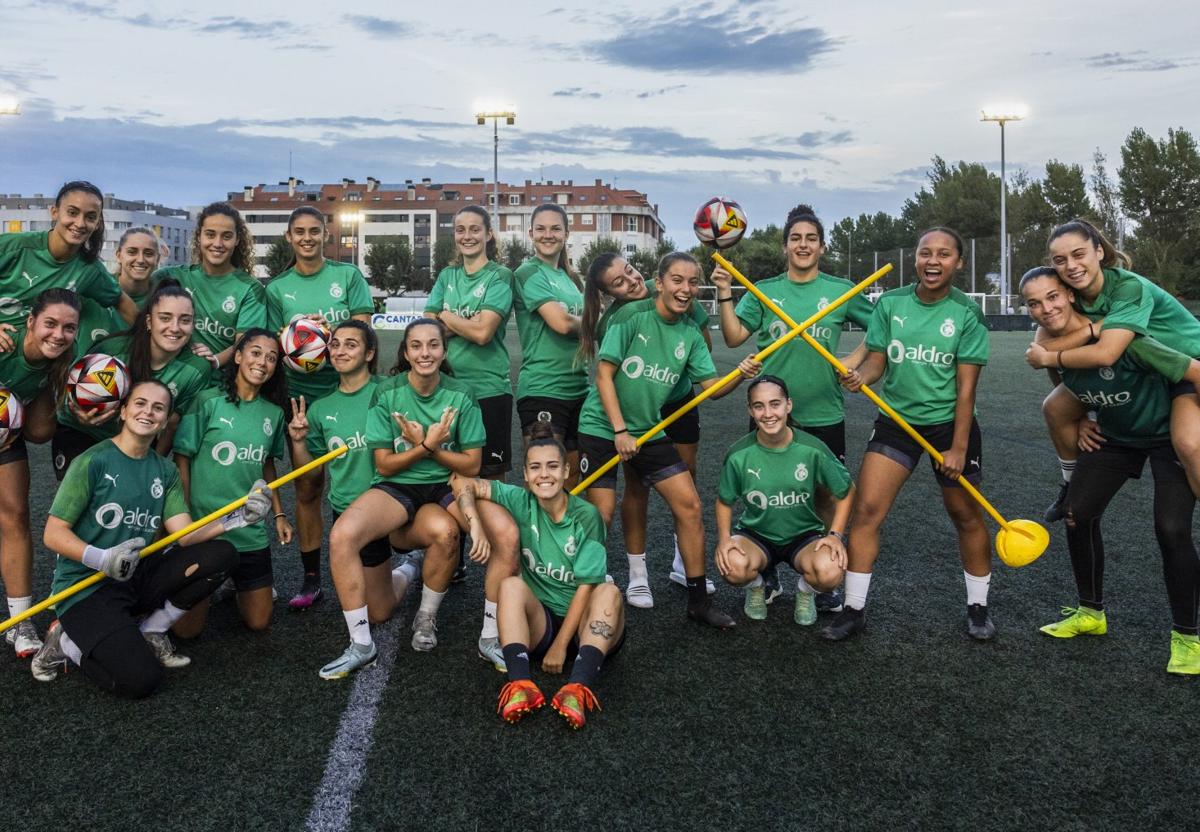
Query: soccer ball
98	383
720	223
305	345
12	414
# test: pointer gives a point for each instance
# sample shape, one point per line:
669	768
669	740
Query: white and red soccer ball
720	223
305	345
98	383
12	414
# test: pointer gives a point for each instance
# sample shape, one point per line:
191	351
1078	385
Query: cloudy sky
768	102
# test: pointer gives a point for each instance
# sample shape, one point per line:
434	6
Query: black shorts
562	414
686	429
554	623
834	436
15	452
655	462
497	426
414	495
1129	462
253	570
65	446
778	553
375	553
889	439
1182	388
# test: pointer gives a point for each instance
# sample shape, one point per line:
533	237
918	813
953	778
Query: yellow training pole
797	329
159	545
868	392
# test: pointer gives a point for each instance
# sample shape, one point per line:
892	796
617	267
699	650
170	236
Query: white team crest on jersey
801	472
679	351
1107	373
156	488
479	291
229	304
268	428
822	303
174	390
335	290
570	549
948	327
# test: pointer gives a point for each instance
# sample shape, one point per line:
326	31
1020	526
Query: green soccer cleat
1078	622
1185	655
755	605
805	611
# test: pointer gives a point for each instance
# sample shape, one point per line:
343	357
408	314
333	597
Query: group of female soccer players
603	360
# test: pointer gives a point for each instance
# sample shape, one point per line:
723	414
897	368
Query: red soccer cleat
573	701
519	698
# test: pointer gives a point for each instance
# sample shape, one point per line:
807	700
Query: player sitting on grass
560	607
778	473
115	497
1133	402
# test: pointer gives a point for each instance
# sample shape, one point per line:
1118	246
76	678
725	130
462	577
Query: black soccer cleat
849	622
829	601
979	623
707	613
1058	509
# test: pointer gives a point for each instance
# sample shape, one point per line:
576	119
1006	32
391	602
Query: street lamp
510	117
353	218
10	105
1000	115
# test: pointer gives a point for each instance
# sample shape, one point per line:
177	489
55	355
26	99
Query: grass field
911	726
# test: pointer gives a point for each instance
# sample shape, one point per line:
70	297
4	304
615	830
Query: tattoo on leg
601	628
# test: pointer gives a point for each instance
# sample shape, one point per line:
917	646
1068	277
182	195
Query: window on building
386	218
586	219
631	223
514	199
562	199
354	196
512	221
630	248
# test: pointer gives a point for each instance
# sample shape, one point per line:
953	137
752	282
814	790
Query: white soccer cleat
24	639
639	595
50	658
164	651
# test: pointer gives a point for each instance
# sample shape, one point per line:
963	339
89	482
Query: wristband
838	535
1060	364
426	447
280	514
725	300
216	362
619	432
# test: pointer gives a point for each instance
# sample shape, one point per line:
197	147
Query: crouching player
115	497
778	472
560	606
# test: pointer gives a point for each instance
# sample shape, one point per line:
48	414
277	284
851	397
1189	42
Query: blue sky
765	102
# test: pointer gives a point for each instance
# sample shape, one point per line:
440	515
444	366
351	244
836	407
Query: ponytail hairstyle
139	331
57	370
402	363
669	260
140	229
803	213
767	378
564	262
1111	257
370	340
593	299
243	250
274	389
541	435
959	245
492	249
89	252
304	211
1035	273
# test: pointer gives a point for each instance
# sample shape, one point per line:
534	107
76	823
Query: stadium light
352	218
1001	115
10	105
510	117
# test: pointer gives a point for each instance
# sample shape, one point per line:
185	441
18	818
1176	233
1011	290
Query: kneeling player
560	605
114	497
778	472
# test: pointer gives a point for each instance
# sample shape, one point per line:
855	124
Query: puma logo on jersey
756	472
330	417
644	339
226	421
29	278
112	478
899	319
498	456
289	295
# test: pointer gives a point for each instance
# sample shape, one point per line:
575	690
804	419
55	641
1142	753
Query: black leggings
1097	479
105	624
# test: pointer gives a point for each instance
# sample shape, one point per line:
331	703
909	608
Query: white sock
977	588
491	628
410	570
637	569
400	583
677	564
359	626
1068	468
804	586
70	648
430	600
857	586
758	581
16	606
161	619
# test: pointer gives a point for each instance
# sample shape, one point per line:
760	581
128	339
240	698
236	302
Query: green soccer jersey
1132	398
96	323
185	376
924	344
619	312
652	356
484	368
549	365
778	486
107	498
338	291
224	305
228	442
817	397
396	395
556	558
341	419
1130	301
23	378
27	269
